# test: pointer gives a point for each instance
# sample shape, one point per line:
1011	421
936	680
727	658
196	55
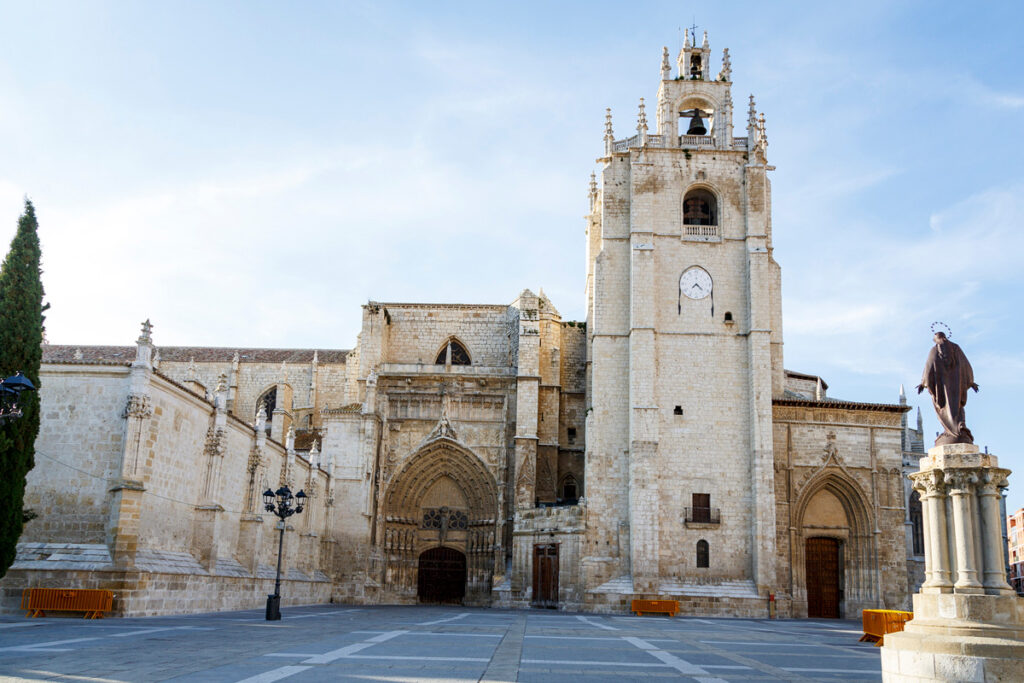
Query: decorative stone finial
762	132
314	456
593	185
77	355
147	333
289	440
666	68
222	383
686	38
235	359
641	120
192	375
261	419
726	73
609	136
316	358
752	113
704	44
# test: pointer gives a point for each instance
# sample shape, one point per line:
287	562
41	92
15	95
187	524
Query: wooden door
442	576
545	575
821	561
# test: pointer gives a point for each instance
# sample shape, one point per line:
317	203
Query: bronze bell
697	124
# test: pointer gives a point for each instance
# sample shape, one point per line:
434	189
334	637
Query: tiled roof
838	403
62	353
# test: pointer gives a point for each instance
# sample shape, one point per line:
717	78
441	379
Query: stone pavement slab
434	644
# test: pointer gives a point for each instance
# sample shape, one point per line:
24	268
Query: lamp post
285	506
10	391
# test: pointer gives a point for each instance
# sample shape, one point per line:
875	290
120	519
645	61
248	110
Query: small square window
572	434
678	410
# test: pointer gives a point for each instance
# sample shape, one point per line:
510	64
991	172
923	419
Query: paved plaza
398	644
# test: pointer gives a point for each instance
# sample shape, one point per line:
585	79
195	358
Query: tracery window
456	351
700	208
916	523
445	518
703	559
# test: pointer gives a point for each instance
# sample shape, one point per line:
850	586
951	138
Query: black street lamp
10	391
286	506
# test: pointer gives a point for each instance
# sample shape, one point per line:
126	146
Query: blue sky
250	173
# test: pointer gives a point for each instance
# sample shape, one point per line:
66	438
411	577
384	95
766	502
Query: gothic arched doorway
442	576
834	566
443	500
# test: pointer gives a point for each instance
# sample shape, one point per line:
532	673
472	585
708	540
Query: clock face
695	282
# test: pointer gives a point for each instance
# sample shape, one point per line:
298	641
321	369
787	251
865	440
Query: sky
250	173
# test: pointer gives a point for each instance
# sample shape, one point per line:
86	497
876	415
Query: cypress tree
21	339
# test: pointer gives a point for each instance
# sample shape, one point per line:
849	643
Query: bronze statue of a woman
947	377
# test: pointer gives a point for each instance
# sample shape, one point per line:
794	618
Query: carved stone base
957	637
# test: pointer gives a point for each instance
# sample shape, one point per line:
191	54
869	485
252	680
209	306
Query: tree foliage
21	339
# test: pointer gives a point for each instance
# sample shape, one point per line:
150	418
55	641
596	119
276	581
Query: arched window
700	208
454	350
269	402
702	554
916	523
569	490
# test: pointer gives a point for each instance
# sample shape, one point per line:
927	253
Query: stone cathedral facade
498	454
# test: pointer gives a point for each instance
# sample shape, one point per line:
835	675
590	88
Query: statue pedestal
968	623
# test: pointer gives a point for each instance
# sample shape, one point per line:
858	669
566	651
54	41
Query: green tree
21	339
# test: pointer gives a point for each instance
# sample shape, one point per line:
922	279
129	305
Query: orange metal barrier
669	607
878	622
94	602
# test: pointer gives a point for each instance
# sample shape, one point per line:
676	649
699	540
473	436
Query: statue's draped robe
948	376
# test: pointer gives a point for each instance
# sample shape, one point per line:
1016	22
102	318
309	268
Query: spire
609	136
903	396
762	133
686	41
920	423
666	68
726	73
641	120
752	115
593	184
704	43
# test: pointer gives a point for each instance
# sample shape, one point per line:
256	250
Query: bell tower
684	344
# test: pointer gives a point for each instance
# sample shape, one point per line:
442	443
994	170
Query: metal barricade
878	622
93	601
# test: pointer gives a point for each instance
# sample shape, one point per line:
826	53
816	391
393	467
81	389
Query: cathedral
498	455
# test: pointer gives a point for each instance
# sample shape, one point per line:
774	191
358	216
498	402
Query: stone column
933	504
993	548
961	488
926	534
